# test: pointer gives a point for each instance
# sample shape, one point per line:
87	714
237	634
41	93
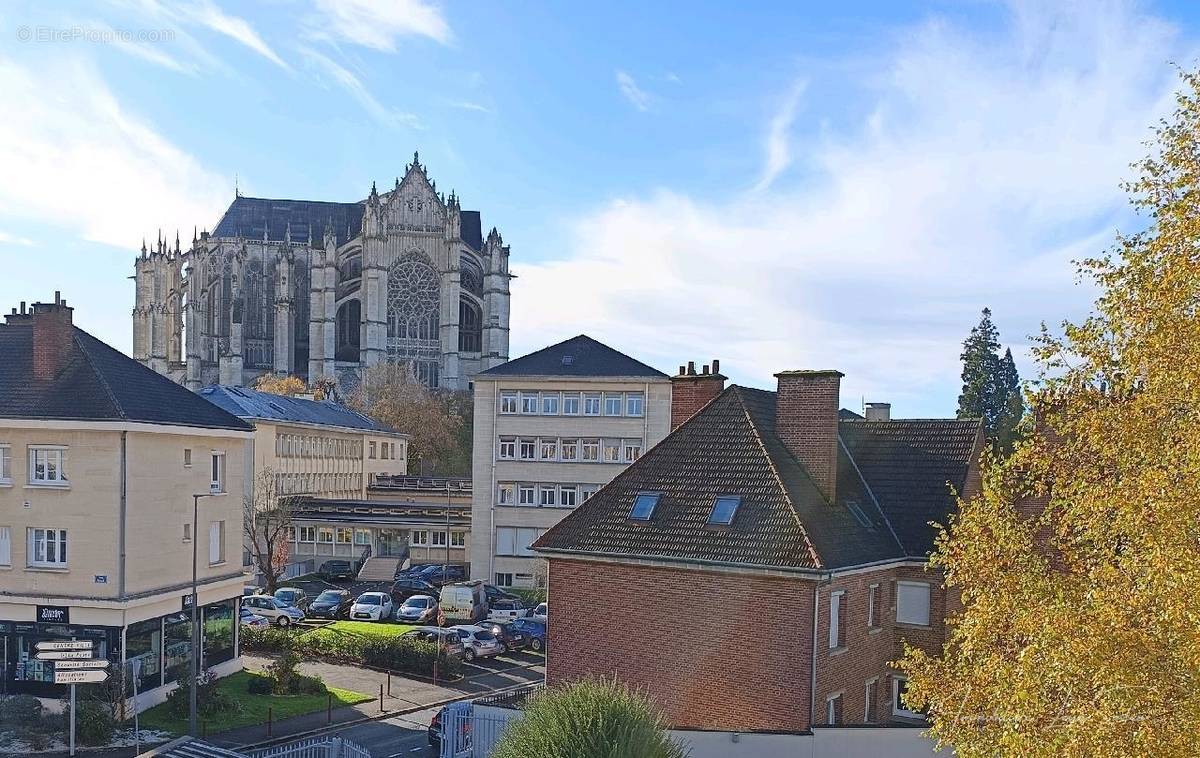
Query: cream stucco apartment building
551	428
99	460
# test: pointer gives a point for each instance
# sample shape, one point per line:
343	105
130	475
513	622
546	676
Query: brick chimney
806	421
879	412
53	337
691	391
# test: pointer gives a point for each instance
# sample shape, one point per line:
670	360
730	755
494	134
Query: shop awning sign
64	645
75	665
63	655
79	677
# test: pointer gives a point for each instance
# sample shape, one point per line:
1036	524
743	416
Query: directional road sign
62	655
72	665
65	645
79	677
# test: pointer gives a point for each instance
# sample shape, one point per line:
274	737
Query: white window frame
631	450
187	532
458	539
6	546
835	608
343	530
311	532
216	469
571	444
829	705
872	597
572	398
551	399
40	535
507	449
526	397
870	693
619	397
509	403
506	494
322	532
532	442
543	442
639	399
522	491
419	538
909	617
503	578
216	543
60	460
547	496
587	490
364	534
187	457
610	446
437	539
566	490
897	709
588	399
5	464
596	444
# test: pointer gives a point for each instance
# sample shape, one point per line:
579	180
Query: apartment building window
872	596
612	451
549	449
47	548
505	494
508	448
633	404
633	450
187	457
325	535
216	543
5	464
591	404
439	539
528	449
5	546
529	402
187	533
833	709
869	699
568	450
591	450
899	688
515	541
549	495
586	491
362	537
371	450
526	495
570	403
912	603
568	496
508	402
504	580
458	539
46	465
550	403
420	538
836	609
613	402
217	470
308	534
344	535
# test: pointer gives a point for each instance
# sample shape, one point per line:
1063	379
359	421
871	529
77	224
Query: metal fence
471	730
313	747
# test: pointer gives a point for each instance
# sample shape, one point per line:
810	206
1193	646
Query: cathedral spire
143	246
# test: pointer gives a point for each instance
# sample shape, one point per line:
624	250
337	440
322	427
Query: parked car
405	587
372	606
437	726
463	602
534	630
506	609
447	638
511	637
444	574
331	604
250	589
293	596
477	641
332	571
541	612
418	609
273	609
494	593
251	619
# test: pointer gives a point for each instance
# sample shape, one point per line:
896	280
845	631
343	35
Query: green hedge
407	656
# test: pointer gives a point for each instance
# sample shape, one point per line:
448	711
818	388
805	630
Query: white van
463	602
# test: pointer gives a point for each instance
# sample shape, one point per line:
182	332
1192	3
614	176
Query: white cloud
209	15
467	105
778	147
632	92
986	164
346	79
12	239
378	24
200	13
72	156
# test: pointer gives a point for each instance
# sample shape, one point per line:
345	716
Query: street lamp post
195	619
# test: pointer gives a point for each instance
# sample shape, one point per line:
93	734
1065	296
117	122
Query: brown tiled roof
730	448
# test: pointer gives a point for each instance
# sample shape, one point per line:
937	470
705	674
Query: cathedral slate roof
893	478
251	217
249	403
579	356
97	383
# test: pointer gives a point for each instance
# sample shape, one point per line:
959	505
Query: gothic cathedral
321	289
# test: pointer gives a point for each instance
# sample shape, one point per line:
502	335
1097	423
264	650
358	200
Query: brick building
773	551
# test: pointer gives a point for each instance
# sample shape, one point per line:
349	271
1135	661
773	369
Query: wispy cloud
467	105
777	147
346	79
632	92
209	15
12	239
378	24
984	166
180	18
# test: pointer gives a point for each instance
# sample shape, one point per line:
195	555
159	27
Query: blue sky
780	186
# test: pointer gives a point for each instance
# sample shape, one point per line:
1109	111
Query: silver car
477	641
274	610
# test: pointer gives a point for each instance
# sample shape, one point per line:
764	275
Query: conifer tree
991	386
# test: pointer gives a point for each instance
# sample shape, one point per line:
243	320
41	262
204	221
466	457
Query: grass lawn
362	629
252	708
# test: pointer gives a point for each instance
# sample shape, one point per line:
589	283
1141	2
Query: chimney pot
806	421
682	369
52	337
691	391
22	307
716	366
691	368
57	297
879	412
704	370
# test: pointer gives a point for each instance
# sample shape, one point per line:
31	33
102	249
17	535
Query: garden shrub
285	679
410	656
94	722
20	710
210	699
260	685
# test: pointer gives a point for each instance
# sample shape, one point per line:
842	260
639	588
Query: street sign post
63	655
75	665
64	645
80	677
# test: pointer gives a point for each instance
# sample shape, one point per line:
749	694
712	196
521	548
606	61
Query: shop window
218	633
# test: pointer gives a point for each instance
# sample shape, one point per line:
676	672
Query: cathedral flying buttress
324	289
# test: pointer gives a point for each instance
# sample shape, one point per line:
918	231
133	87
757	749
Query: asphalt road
395	737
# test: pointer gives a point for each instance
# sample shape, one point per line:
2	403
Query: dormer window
643	506
724	509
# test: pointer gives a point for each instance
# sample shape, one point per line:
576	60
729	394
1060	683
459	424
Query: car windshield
277	603
369	600
417	602
484	634
329	596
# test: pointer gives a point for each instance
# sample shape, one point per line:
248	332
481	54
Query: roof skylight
724	509
643	505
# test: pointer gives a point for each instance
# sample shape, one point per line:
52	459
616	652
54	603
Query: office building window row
536	495
542	403
569	449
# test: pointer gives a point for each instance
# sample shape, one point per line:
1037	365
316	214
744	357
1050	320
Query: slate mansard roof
248	403
577	357
251	217
893	478
97	383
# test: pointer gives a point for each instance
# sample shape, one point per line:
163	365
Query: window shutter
5	546
912	603
506	541
214	542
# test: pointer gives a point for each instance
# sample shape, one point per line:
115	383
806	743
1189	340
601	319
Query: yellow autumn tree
280	385
1079	563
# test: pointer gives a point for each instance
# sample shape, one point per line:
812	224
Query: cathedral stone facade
321	290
